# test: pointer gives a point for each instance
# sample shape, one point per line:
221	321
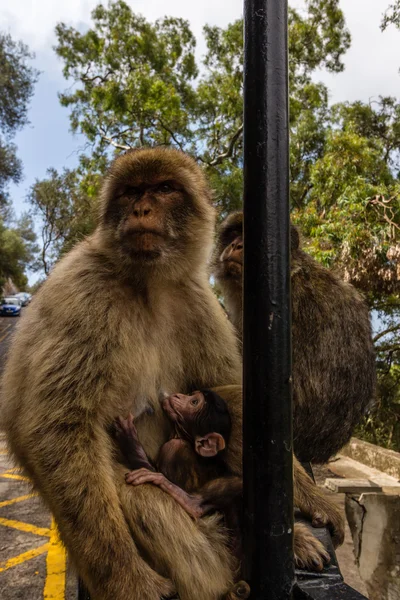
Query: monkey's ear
209	445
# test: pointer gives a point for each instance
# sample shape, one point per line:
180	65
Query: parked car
24	297
10	306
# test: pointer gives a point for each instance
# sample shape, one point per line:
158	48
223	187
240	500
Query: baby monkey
193	469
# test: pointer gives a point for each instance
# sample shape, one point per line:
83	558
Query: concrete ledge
379	458
374	520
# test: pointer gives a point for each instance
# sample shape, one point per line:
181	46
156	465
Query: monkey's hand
126	427
128	442
309	553
191	504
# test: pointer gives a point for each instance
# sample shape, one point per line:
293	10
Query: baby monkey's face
181	407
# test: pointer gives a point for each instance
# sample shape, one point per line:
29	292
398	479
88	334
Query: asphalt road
33	564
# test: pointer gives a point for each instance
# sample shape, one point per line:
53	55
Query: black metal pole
268	477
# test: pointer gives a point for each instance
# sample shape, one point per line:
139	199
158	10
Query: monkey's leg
310	500
309	553
221	494
194	555
78	484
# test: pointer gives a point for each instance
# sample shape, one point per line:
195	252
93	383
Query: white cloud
371	64
34	21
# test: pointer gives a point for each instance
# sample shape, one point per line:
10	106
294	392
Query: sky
372	66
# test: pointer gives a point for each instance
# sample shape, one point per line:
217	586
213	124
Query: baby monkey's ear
209	445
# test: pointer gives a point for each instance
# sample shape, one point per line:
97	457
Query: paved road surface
32	561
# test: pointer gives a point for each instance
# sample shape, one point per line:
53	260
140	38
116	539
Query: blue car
10	307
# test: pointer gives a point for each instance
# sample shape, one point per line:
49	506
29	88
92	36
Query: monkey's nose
141	212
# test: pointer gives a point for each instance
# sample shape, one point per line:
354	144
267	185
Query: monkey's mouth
169	410
149	243
232	268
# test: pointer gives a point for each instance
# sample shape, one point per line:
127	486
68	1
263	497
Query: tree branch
229	151
171	133
115	144
102	78
381	334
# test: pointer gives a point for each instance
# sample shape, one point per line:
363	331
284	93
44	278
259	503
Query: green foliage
17	249
392	16
351	211
138	83
65	210
17	80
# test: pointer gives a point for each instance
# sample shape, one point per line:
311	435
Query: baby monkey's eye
194	402
165	188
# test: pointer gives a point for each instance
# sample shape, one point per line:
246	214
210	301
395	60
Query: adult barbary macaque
193	468
127	314
333	358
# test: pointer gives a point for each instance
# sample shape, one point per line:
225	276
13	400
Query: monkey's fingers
309	553
131	421
140	476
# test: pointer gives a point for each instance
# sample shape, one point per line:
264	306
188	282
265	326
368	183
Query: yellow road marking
18	499
12	476
54	588
25	527
17	560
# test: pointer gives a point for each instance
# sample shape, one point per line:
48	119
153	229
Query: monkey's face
181	408
228	263
198	414
156	210
231	258
150	216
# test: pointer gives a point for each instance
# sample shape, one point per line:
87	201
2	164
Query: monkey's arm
128	442
218	494
309	499
191	503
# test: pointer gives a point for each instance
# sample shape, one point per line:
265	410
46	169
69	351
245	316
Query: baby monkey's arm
128	442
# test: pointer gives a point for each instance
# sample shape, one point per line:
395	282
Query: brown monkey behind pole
334	375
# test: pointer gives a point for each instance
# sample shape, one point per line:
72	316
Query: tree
137	83
391	16
66	213
17	250
17	81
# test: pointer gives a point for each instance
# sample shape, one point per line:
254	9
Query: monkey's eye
130	190
194	401
165	188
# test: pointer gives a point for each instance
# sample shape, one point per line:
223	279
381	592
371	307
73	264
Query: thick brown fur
333	357
310	501
105	335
